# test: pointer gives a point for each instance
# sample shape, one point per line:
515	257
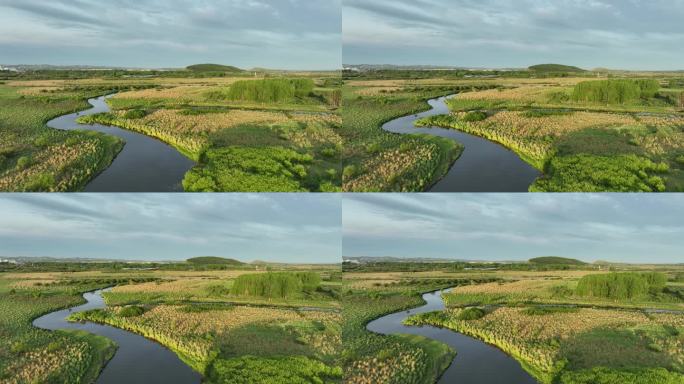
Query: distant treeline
65	74
266	90
456	266
615	91
276	284
621	285
116	266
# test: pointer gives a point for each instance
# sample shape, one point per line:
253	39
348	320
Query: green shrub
243	169
621	285
278	370
267	90
132	311
541	311
615	91
601	375
590	173
24	162
135	114
474	116
471	314
275	284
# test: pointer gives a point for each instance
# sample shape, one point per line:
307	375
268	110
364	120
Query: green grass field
273	134
585	134
291	333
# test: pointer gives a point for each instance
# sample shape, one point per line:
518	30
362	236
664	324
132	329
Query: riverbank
136	360
475	358
558	345
484	166
145	164
379	161
37	158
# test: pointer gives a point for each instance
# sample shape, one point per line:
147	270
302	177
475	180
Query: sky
281	34
616	34
292	228
628	228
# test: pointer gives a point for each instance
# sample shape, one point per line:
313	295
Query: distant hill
555	68
556	260
214	260
213	68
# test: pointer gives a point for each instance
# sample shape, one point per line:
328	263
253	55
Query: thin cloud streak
290	34
621	228
273	227
636	34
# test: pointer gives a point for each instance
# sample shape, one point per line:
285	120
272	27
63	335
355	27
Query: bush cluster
276	284
621	285
615	91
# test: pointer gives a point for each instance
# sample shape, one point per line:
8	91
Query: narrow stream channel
137	360
484	166
476	362
145	164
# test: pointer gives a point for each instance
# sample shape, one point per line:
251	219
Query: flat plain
563	323
587	131
232	323
247	131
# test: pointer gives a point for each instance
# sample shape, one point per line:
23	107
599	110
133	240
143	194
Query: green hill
214	260
555	260
213	68
555	68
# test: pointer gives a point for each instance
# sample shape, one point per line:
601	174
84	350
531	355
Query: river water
145	164
476	362
137	360
484	166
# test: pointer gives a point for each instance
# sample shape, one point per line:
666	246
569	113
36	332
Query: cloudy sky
625	34
271	227
283	34
590	227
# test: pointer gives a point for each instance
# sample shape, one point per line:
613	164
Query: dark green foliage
555	68
213	68
277	370
588	173
310	281
556	260
213	260
242	169
24	162
545	113
206	307
275	284
471	314
615	91
218	290
268	90
132	311
621	285
135	114
601	375
548	310
474	116
619	349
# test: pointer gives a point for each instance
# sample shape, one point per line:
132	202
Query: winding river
476	362
484	166
145	164
137	360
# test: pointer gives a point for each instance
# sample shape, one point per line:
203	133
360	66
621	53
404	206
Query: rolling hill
555	260
555	68
213	68
213	260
